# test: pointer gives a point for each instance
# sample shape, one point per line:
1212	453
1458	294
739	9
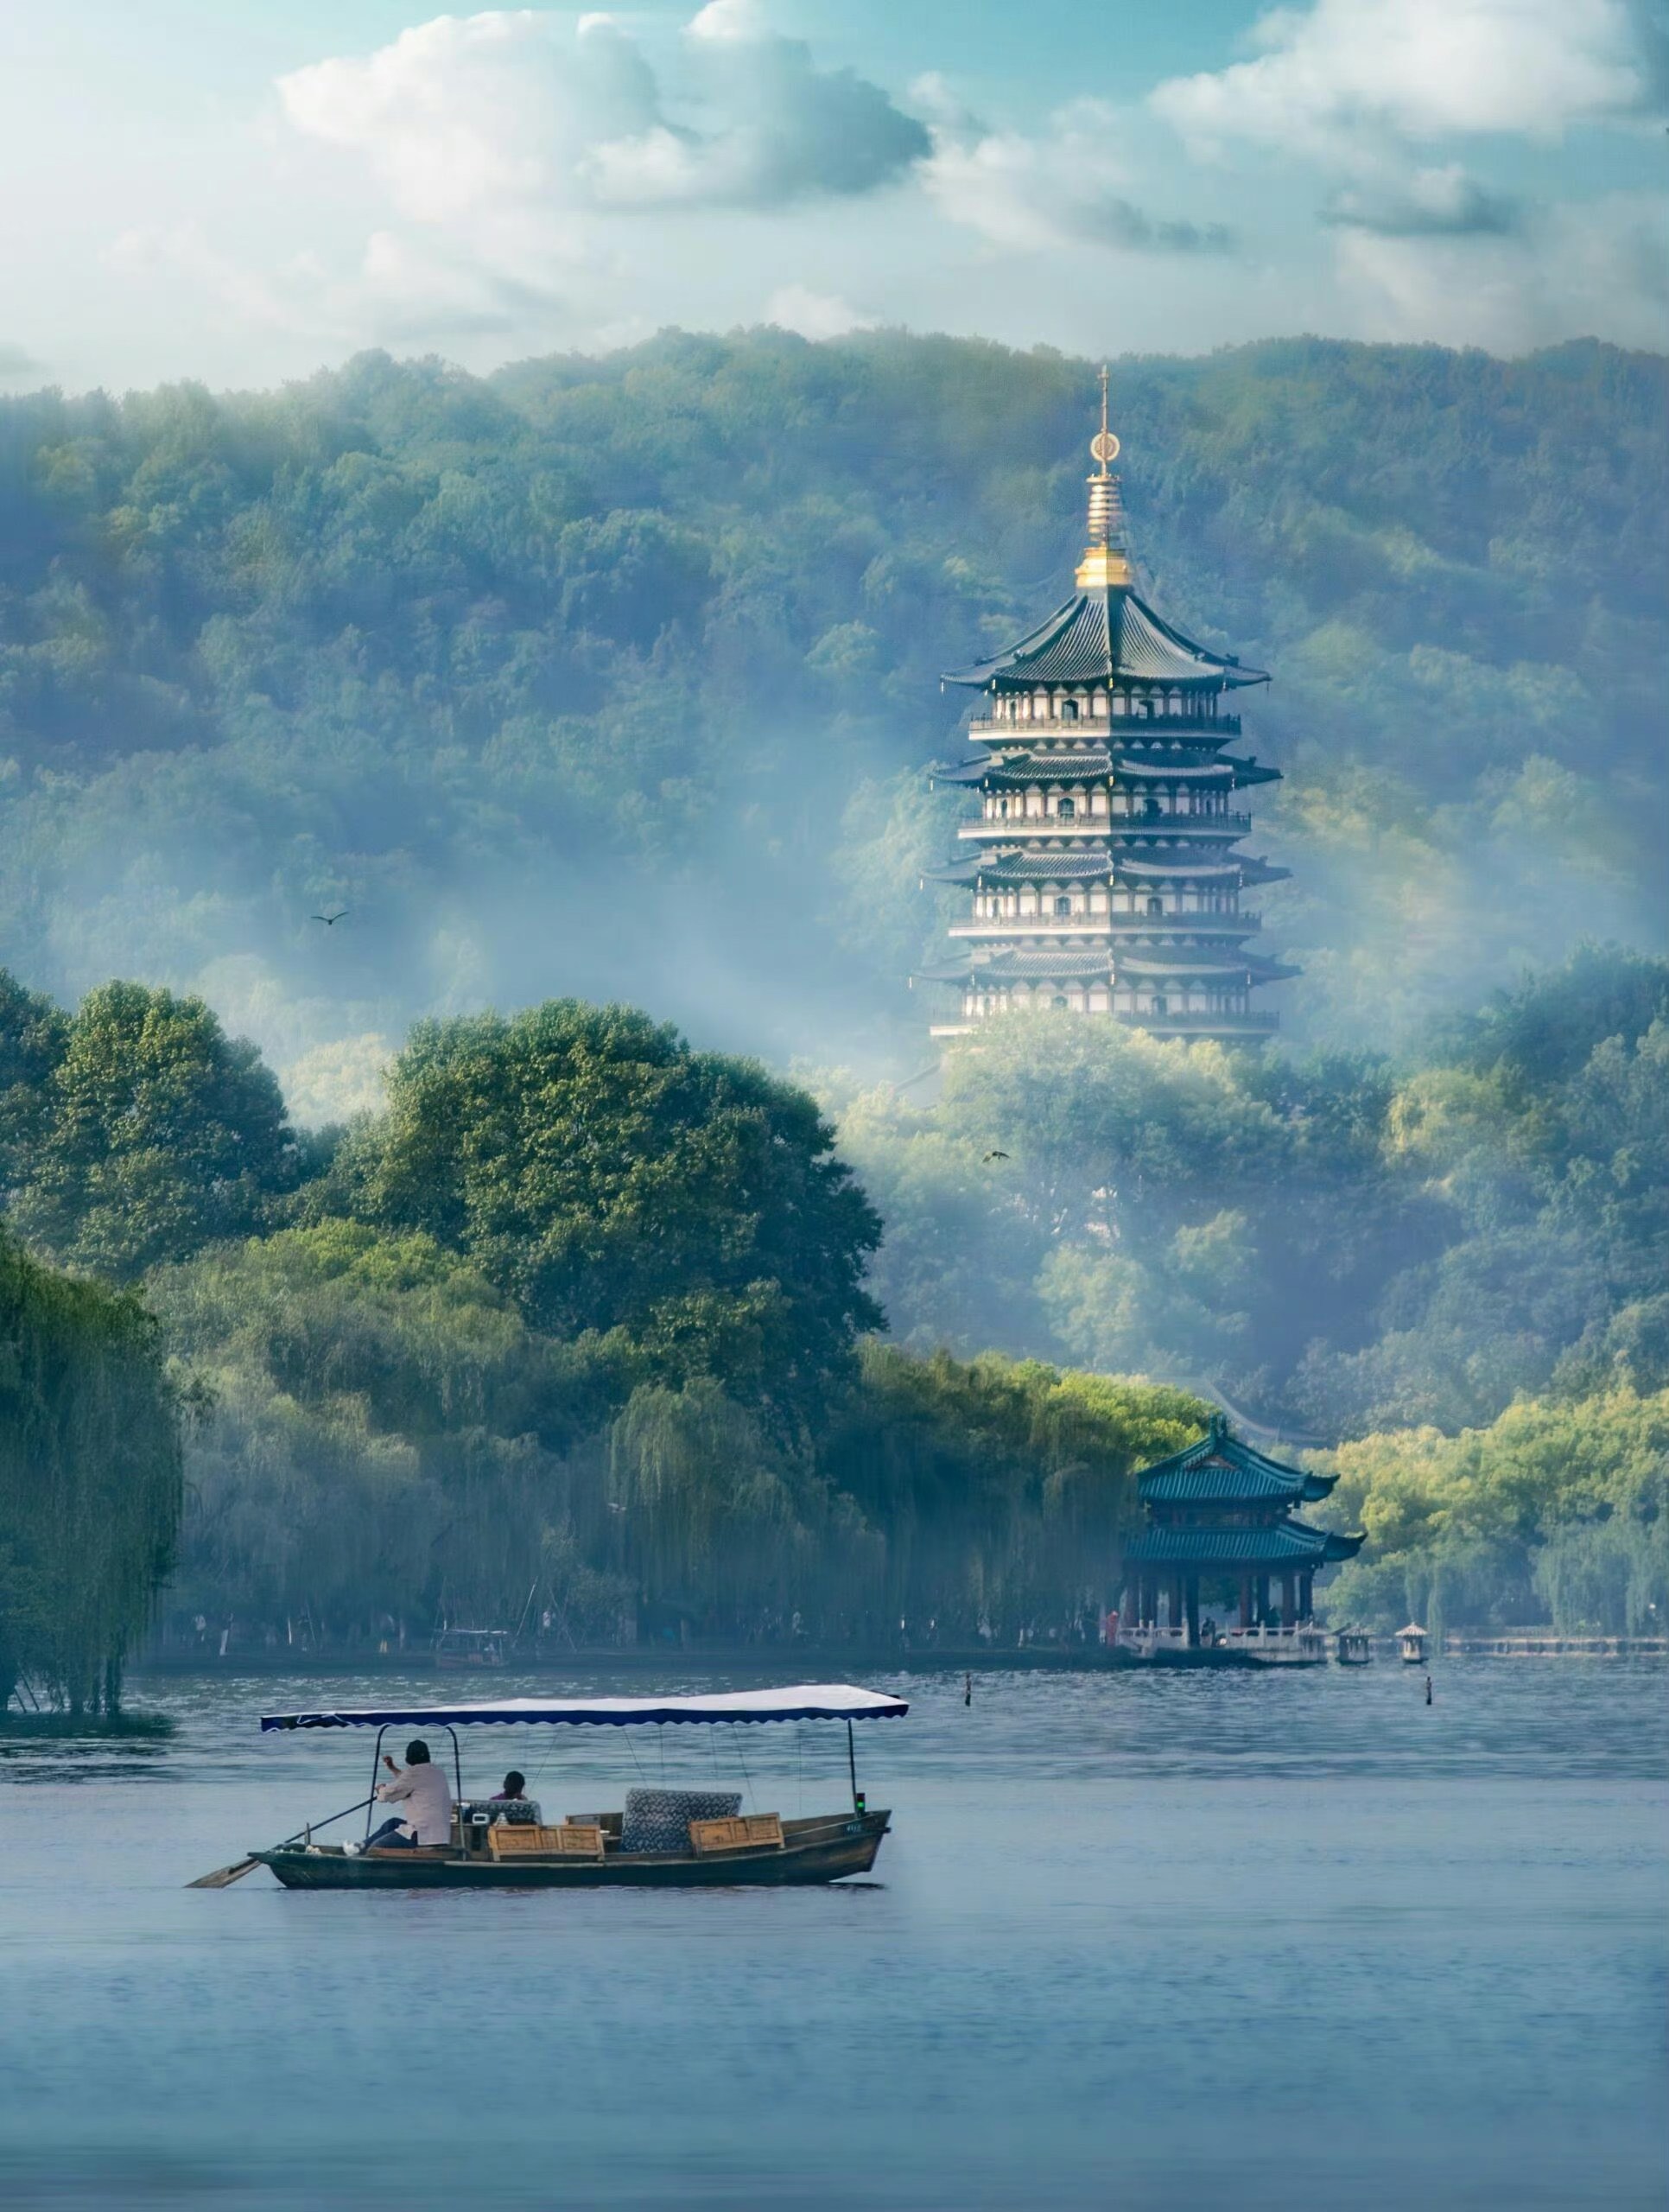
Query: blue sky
242	193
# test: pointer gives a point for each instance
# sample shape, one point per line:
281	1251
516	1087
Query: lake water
1177	1939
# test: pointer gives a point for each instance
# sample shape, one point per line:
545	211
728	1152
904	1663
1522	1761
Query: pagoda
1104	864
1222	1514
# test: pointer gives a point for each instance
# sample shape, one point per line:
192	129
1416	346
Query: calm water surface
1176	1940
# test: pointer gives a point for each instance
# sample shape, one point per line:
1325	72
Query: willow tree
90	1482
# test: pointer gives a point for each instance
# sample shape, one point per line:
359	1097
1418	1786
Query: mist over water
1134	1940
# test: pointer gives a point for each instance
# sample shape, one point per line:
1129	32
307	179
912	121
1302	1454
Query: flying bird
990	1156
331	920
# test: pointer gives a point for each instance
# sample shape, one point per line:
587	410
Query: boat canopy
801	1701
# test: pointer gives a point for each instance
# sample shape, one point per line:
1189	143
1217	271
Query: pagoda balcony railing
1105	726
993	830
1155	925
1252	1022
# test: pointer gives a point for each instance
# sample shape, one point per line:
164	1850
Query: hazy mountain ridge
617	677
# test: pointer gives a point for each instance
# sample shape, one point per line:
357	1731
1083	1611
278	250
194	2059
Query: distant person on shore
424	1790
515	1786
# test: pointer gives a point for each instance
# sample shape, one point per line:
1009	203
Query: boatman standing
423	1787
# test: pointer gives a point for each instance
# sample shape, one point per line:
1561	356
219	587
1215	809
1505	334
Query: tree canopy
607	1177
153	1133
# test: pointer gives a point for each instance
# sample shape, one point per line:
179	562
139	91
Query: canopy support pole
457	1776
376	1761
852	1767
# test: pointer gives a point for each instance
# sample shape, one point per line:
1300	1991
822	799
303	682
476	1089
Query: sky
243	195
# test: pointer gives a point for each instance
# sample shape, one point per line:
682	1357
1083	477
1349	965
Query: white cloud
1419	69
470	114
812	314
1066	185
1600	265
1430	203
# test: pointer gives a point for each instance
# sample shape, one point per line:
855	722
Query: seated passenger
427	1794
515	1786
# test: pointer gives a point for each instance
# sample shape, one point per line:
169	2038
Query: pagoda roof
1023	963
1222	1467
1029	865
1100	635
1212	961
1284	1543
1032	766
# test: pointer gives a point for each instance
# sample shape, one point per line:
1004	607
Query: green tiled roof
1100	635
1288	1544
1222	1467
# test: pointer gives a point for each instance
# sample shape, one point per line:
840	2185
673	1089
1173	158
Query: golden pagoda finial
1104	563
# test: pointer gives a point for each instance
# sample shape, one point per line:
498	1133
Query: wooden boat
495	1847
825	1848
470	1647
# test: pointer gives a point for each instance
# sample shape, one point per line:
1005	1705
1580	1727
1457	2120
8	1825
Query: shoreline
809	1660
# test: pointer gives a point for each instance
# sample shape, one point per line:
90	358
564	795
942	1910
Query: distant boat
1411	1642
471	1647
1354	1647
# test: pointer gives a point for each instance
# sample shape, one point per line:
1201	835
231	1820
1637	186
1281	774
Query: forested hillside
588	1313
616	677
614	680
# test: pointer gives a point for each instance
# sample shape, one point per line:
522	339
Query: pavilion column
1262	1594
1176	1599
1289	1600
1307	1594
1191	1611
1246	1601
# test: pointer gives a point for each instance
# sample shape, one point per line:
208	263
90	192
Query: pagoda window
1064	906
1098	801
1120	702
1161	1005
1069	710
1068	807
1156	905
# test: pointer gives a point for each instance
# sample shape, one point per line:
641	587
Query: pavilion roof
1285	1543
1102	634
1223	1466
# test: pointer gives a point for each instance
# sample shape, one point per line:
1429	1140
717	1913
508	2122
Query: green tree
34	1033
90	1482
606	1177
160	1135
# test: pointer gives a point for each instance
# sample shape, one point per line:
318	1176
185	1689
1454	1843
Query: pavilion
1221	1513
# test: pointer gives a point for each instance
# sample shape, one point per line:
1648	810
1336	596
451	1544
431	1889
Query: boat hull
814	1852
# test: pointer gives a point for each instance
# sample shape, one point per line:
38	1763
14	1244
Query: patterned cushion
658	1819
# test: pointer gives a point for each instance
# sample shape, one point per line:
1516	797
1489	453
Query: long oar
223	1877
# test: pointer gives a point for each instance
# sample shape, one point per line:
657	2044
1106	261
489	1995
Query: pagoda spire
1105	563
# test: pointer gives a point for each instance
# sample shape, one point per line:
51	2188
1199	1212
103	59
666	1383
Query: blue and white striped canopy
801	1701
